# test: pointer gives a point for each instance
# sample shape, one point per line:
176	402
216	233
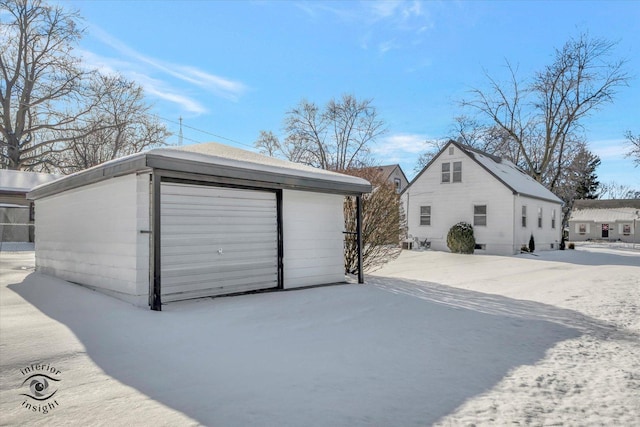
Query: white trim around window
425	215
539	217
479	215
446	172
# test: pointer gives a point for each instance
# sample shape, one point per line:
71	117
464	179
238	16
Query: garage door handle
220	251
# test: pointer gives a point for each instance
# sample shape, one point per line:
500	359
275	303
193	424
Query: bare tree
613	190
336	138
268	144
40	78
383	223
435	146
634	147
578	179
468	131
120	124
542	118
55	113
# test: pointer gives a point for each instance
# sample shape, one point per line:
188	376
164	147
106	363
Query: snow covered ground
434	338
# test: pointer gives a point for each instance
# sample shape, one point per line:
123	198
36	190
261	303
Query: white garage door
217	241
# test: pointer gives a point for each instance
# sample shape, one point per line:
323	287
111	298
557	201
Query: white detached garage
204	220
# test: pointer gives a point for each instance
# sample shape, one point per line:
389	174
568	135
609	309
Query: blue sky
235	68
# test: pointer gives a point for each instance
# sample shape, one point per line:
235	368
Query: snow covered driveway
592	379
433	338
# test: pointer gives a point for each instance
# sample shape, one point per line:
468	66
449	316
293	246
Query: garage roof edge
163	160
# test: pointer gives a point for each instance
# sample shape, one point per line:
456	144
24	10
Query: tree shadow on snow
395	352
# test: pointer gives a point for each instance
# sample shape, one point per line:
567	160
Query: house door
605	231
217	240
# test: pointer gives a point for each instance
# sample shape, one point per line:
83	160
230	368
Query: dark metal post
280	240
155	300
359	236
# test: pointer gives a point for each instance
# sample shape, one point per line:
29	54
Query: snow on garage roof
21	181
215	160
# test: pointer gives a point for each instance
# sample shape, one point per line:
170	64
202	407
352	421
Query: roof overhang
201	167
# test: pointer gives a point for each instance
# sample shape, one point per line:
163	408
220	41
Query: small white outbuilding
171	224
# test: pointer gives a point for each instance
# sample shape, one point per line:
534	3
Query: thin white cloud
609	148
378	21
153	87
220	86
160	89
401	145
93	61
384	47
384	9
399	10
405	22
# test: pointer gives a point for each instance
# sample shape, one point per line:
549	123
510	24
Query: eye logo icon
40	387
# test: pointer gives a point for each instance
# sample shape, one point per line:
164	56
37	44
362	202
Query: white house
605	220
205	220
504	204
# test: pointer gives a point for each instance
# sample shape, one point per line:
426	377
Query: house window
397	183
480	246
457	171
446	172
451	151
626	229
553	218
582	228
524	216
425	215
539	217
480	215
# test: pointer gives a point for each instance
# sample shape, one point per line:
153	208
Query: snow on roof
212	152
21	181
218	160
605	210
604	215
510	175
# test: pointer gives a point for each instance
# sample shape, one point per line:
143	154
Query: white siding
313	240
544	236
91	236
452	202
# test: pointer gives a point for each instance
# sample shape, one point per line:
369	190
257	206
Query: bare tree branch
50	102
543	117
634	147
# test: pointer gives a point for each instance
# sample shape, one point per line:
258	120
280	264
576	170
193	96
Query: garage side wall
91	236
313	240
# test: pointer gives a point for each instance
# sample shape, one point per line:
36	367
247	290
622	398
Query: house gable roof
501	169
216	160
387	170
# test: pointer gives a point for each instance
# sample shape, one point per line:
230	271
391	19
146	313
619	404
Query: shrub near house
460	239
